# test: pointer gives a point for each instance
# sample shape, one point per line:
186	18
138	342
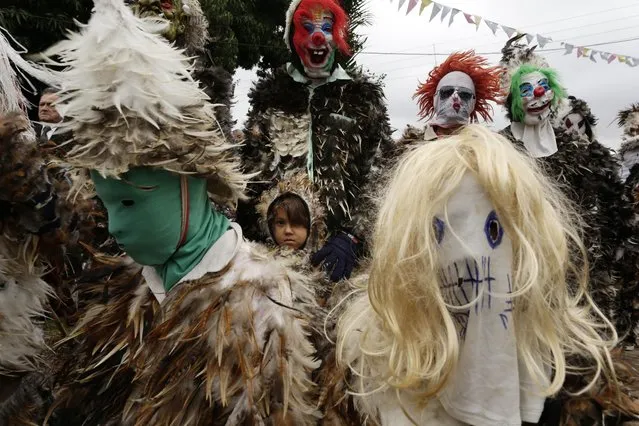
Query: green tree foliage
244	33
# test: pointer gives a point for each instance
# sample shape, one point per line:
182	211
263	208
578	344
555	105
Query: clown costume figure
457	93
533	95
476	305
313	117
188	28
198	326
587	171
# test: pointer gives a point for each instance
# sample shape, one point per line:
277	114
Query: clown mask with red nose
536	97
319	31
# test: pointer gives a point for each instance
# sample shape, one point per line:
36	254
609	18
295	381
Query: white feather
11	96
23	296
119	60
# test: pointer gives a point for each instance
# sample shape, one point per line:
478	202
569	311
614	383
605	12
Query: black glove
339	255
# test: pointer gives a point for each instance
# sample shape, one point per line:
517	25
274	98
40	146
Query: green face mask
146	218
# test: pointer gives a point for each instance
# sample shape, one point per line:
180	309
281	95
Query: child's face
287	234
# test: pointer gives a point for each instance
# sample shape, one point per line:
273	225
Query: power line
488	53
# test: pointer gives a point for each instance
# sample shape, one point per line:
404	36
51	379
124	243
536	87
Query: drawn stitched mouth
318	56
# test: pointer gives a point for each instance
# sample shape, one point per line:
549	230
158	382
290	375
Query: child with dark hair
291	215
289	221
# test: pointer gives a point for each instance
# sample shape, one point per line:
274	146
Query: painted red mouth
167	4
317	57
539	108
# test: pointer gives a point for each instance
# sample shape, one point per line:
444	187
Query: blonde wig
399	334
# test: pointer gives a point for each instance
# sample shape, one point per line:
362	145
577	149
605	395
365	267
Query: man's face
454	100
171	10
536	97
46	109
313	41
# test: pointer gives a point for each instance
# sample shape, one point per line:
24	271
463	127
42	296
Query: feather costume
193	37
333	131
229	343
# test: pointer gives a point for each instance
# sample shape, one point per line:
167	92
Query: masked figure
533	96
629	153
200	311
313	117
468	224
457	93
587	170
188	28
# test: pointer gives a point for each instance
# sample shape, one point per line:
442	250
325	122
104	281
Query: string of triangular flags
450	12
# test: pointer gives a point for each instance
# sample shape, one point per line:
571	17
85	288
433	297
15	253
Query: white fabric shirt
539	140
219	255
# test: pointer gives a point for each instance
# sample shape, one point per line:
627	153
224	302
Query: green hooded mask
147	218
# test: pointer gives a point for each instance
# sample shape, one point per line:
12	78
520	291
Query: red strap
184	191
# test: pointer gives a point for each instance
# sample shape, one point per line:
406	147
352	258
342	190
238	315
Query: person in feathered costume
228	343
628	120
584	168
189	29
475	228
29	214
313	117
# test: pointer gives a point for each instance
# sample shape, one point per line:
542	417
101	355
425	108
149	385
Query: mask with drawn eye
475	257
575	123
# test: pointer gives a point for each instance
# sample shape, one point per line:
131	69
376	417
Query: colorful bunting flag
569	48
493	26
425	4
452	16
543	41
445	11
508	30
436	8
477	22
411	6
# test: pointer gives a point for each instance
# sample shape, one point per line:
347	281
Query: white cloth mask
454	100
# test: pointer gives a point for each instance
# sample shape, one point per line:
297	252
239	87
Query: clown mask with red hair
457	91
319	30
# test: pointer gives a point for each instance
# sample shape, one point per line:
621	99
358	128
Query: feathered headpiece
130	101
301	186
11	96
629	117
340	26
486	80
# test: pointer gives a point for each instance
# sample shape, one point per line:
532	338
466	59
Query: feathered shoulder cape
348	124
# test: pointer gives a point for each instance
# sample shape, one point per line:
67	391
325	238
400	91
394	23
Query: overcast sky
606	87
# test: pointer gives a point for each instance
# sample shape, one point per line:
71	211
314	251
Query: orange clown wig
485	79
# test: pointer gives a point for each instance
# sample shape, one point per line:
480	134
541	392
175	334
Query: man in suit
49	117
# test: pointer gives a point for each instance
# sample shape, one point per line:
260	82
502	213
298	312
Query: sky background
607	88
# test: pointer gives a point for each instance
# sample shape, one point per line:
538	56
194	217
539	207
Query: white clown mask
475	257
575	123
536	96
454	100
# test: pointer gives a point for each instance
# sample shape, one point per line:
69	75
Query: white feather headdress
130	101
11	96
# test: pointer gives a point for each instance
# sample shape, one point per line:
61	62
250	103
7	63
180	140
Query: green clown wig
514	104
